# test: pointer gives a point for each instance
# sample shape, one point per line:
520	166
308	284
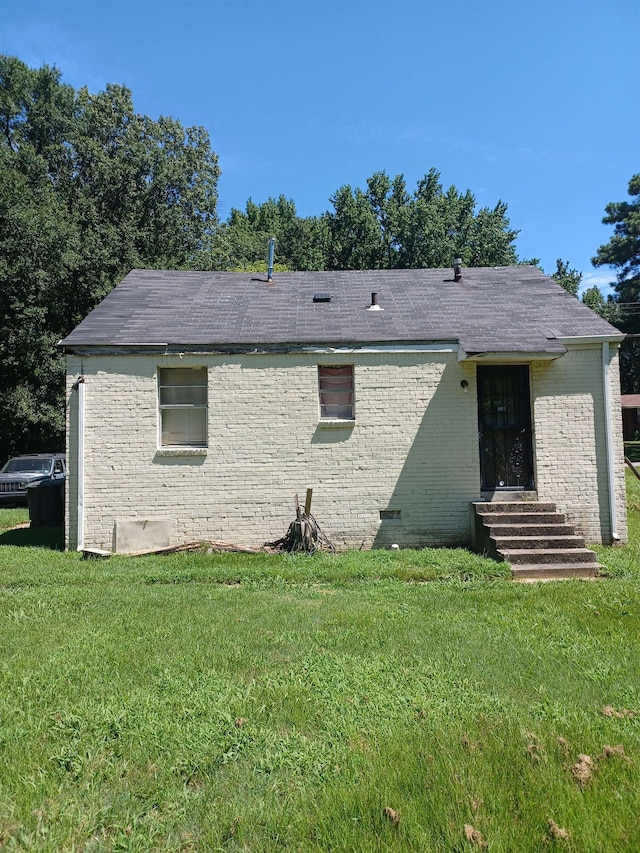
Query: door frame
523	426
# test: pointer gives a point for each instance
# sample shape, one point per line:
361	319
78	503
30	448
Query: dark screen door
504	424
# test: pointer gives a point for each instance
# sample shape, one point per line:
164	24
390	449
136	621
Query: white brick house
200	403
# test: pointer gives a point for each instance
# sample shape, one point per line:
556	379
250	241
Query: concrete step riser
530	530
550	557
542	573
522	518
514	506
514	543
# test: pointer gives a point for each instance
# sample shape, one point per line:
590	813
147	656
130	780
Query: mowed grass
240	703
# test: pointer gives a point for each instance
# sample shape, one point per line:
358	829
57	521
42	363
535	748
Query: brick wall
413	448
569	444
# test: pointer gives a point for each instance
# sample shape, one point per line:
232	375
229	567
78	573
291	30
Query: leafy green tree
606	308
88	190
623	249
623	253
380	227
386	228
489	240
242	241
566	277
356	240
389	202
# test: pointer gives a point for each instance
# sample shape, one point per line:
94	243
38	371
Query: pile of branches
304	534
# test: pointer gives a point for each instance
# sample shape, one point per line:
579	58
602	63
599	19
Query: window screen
182	395
336	392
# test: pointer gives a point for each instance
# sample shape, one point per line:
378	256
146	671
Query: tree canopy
242	240
622	252
566	277
380	227
88	190
623	249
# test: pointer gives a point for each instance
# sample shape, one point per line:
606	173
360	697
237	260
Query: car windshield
28	466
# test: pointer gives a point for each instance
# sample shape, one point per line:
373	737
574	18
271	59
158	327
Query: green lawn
239	703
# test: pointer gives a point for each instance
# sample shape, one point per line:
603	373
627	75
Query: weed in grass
474	836
557	832
582	770
608	711
392	815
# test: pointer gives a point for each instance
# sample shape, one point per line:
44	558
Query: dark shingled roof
493	309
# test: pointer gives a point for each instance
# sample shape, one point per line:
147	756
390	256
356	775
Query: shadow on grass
34	537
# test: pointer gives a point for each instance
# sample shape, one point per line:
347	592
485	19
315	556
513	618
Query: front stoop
534	538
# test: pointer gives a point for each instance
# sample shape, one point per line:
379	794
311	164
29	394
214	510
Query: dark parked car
21	471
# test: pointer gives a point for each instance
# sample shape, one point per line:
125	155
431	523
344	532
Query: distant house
630	416
199	403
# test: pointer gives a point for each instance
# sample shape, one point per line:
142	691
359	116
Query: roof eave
509	357
592	339
284	347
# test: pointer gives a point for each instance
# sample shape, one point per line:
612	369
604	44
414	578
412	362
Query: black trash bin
46	503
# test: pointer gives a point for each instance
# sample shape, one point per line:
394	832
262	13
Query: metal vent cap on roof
375	303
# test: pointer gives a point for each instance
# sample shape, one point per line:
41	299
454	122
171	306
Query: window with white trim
335	384
182	401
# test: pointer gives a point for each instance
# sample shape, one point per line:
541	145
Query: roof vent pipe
272	247
457	269
375	305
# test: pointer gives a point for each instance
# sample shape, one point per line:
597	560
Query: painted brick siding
569	439
413	447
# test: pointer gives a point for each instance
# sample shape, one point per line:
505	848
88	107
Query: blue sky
534	103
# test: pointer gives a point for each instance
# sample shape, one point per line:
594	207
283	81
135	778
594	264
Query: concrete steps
534	538
547	543
542	529
520	518
559	571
